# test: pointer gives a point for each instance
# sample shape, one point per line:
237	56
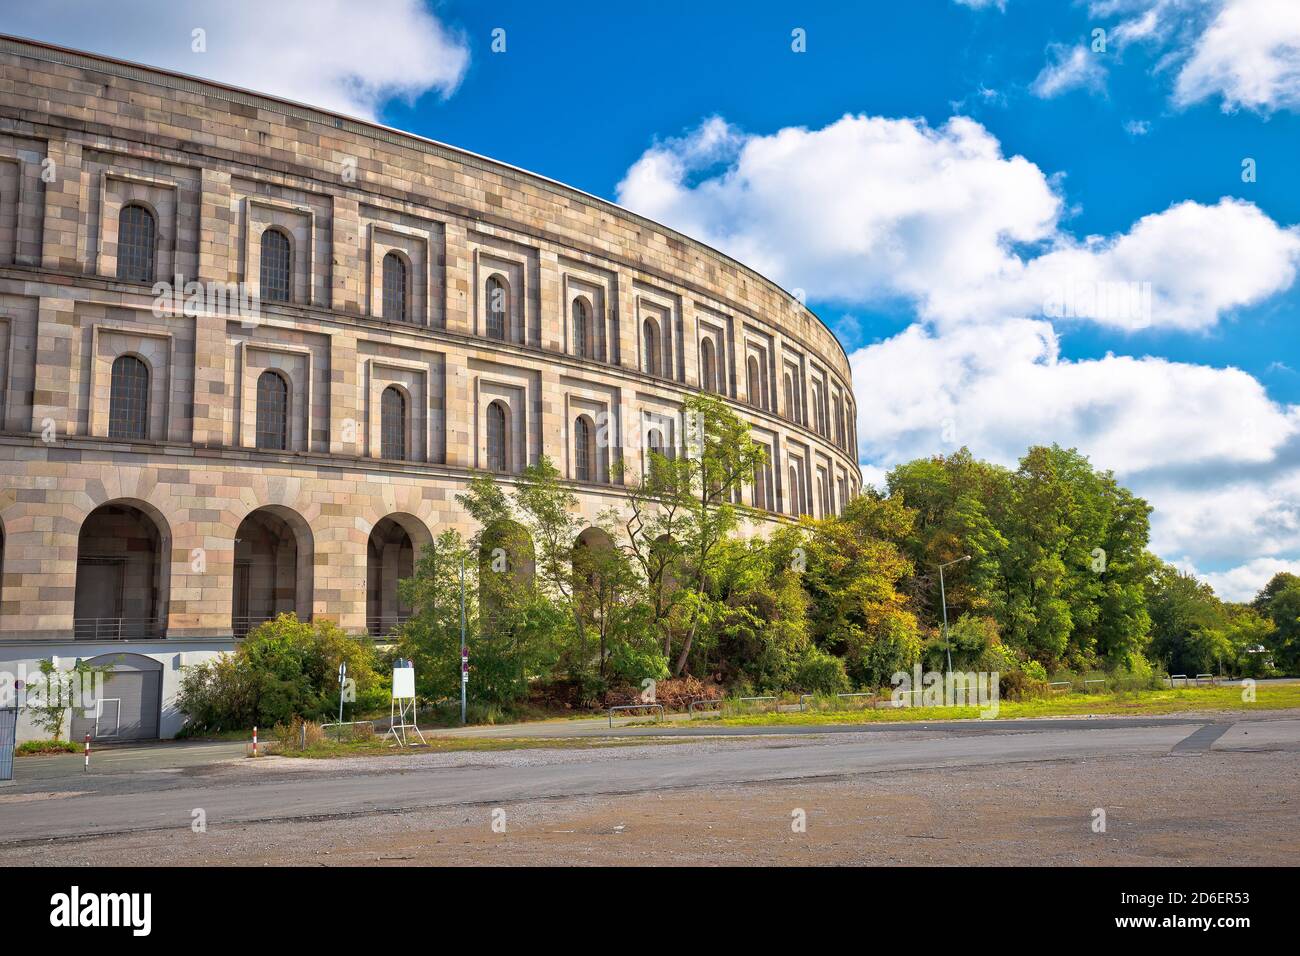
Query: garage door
128	706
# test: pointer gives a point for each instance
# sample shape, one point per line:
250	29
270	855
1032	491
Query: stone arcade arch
590	542
391	553
506	559
273	568
123	571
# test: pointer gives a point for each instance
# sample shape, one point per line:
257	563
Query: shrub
298	734
46	747
820	673
1019	685
284	669
1035	671
674	694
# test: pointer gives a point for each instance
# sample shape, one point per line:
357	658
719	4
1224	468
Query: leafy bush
284	669
1018	685
1034	671
32	747
820	673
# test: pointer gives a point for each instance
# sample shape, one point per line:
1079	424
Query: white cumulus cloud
335	54
1249	55
1244	53
1243	582
873	209
1069	68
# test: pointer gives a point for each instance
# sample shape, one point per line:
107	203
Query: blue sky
929	173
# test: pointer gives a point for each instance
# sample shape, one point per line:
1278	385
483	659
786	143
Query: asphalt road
119	799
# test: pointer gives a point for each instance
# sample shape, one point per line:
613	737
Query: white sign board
403	682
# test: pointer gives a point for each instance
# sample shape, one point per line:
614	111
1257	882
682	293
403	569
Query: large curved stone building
251	350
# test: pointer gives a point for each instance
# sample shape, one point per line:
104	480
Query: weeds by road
1132	703
381	747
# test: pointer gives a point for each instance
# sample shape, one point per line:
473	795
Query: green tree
430	638
854	567
1185	616
48	700
1280	602
682	510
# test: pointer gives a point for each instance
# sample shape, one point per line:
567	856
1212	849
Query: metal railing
1060	687
241	625
118	628
659	707
701	703
386	625
351	726
1173	677
8	734
803	698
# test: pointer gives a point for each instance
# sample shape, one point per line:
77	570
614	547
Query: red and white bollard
254	742
87	753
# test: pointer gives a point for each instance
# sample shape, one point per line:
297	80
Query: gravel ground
1244	812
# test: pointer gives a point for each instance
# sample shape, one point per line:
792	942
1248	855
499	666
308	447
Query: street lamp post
943	598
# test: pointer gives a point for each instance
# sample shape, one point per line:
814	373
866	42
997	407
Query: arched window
395	303
708	367
272	411
791	412
497	434
498	307
581	328
137	238
655	441
753	382
583	452
650	336
128	399
276	257
392	424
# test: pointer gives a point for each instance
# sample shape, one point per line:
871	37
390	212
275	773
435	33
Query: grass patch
36	748
1132	703
378	747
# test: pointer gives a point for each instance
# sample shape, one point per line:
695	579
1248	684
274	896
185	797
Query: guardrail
699	702
660	708
380	627
806	697
1208	678
1173	677
118	628
1059	686
242	624
1096	680
325	729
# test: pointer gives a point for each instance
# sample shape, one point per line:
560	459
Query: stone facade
603	315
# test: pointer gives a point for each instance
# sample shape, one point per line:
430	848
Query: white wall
21	661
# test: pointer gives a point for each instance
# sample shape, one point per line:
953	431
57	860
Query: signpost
402	712
464	648
343	679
